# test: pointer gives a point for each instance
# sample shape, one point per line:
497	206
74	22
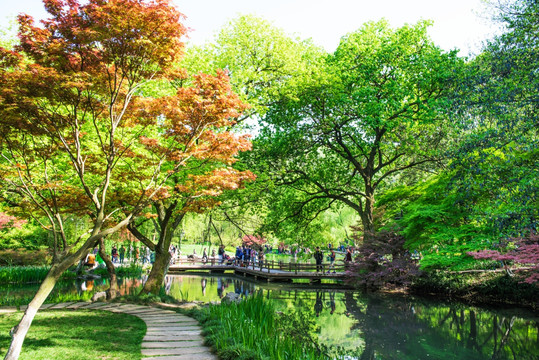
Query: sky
458	24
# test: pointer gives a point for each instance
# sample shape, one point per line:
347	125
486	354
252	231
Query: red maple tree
78	136
522	250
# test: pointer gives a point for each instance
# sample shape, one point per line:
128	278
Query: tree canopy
377	109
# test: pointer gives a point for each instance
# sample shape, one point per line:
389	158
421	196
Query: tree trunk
157	274
18	333
367	216
113	290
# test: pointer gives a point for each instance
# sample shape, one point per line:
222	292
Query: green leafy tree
489	192
260	58
375	111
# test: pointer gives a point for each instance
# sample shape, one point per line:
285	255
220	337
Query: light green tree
376	110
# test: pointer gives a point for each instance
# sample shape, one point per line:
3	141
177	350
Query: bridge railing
268	265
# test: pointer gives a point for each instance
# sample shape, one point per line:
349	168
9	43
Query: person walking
114	254
205	255
122	254
221	254
318	256
332	257
348	257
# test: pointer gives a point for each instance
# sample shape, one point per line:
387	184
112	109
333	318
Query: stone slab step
170	344
62	305
201	356
122	309
167	337
169	319
174	351
174	329
167	316
96	305
78	305
152	311
46	306
173	322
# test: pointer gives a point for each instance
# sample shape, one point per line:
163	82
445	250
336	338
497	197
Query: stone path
169	335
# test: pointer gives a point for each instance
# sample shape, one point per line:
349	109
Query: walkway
169	335
268	270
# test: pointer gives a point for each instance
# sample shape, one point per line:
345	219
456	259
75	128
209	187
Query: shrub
524	251
383	262
22	257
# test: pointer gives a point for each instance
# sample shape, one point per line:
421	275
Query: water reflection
386	327
126	286
368	326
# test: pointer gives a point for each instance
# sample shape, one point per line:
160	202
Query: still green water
373	326
368	326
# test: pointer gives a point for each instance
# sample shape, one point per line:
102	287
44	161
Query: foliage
253	240
489	190
23	257
133	270
20	295
85	335
10	221
353	129
29	236
477	287
382	262
437	222
146	299
496	159
197	124
523	251
253	330
8	37
259	57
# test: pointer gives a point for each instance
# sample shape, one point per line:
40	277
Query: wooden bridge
268	270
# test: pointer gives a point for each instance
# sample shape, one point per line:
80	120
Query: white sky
457	23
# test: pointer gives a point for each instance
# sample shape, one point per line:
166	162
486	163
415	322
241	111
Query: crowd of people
245	255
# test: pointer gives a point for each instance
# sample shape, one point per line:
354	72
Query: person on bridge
318	256
221	253
205	255
348	257
239	255
332	257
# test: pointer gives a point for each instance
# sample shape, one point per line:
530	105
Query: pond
371	326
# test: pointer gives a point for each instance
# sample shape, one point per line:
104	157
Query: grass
77	335
27	274
131	270
252	330
36	274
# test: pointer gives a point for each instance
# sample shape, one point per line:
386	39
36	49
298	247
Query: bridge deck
269	271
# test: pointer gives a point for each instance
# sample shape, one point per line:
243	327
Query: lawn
77	335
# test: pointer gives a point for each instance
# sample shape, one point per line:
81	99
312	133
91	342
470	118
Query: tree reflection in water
384	327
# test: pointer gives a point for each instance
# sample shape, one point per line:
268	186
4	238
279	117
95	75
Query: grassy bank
80	335
478	288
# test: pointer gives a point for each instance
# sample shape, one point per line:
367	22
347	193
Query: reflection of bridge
268	270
